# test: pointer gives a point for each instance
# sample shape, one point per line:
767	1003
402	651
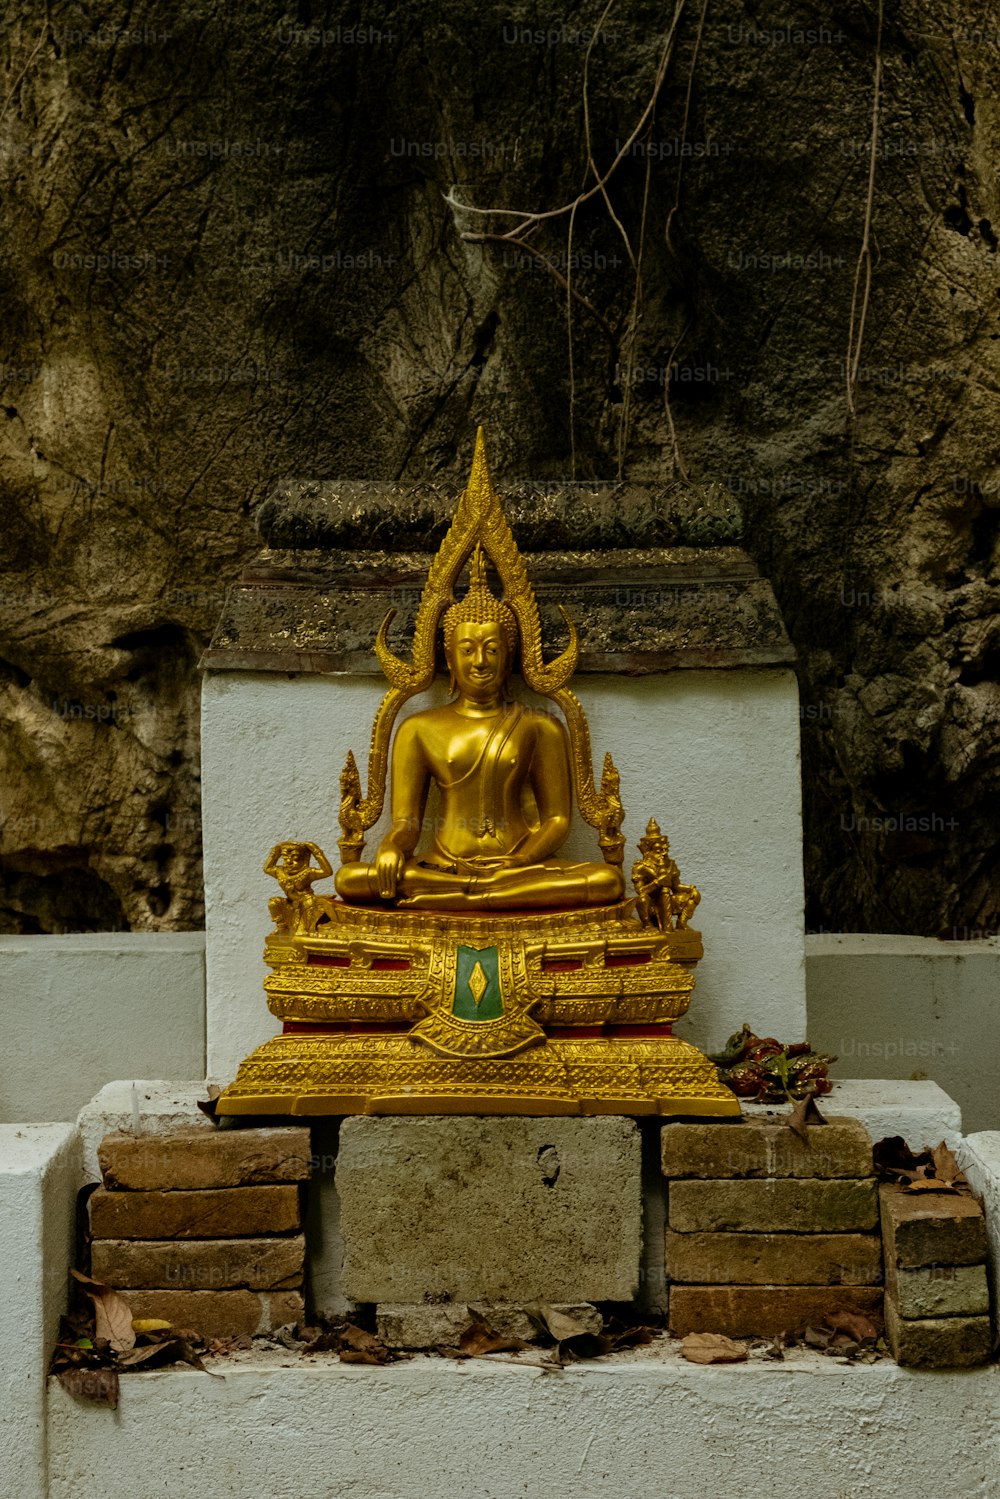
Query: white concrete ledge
39	1169
641	1427
921	1112
79	1009
910	1008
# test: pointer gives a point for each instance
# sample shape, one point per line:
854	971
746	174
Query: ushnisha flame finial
480	605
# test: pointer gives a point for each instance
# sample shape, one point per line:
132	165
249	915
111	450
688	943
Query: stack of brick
937	1298
769	1234
203	1227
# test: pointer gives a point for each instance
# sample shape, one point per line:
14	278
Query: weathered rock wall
229	258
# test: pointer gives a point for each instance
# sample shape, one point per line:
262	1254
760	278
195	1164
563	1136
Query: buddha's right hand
388	871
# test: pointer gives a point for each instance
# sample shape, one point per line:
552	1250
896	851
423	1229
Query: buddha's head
480	637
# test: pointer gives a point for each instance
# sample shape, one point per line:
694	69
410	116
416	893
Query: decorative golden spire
480	530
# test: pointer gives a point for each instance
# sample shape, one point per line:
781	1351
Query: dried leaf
365	1356
557	1324
814	1337
945	1164
98	1385
894	1159
112	1313
631	1337
712	1348
479	1339
590	1345
855	1325
946	1167
289	1338
153	1355
323	1342
586	1345
220	1347
170	1351
576	1341
66	1356
190	1356
804	1113
357	1338
353	1344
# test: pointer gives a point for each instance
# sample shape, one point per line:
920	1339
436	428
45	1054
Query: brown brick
197	1159
839	1148
774	1259
220	1314
931	1228
216	1213
764	1311
200	1264
805	1207
937	1342
938	1290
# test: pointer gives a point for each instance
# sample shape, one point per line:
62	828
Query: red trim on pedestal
345	1028
652	1032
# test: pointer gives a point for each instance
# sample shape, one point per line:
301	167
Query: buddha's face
479	660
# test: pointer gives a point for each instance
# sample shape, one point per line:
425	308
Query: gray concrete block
434	1323
939	1290
324	1242
422	1326
489	1209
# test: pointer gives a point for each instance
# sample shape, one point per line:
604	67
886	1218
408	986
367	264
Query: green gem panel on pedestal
477	984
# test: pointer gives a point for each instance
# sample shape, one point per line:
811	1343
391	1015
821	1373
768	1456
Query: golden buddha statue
494	763
475	971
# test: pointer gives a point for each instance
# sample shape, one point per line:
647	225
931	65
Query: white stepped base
640	1426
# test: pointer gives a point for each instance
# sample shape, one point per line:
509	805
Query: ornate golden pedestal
545	1013
484	973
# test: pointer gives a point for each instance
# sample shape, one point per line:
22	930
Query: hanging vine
621	334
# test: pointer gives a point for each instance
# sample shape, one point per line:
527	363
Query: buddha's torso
481	766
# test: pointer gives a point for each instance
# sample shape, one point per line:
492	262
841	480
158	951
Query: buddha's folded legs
426	887
534	886
357	884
